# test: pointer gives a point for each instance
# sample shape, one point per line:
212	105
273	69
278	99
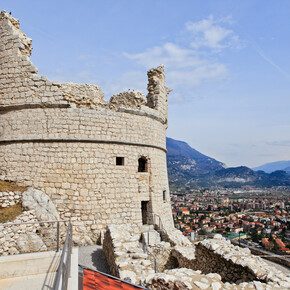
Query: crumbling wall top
128	99
13	33
21	85
83	95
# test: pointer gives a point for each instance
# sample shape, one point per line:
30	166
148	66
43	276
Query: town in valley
257	218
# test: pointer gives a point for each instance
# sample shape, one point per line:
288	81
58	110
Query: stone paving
93	257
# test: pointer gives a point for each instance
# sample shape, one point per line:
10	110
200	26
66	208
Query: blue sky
227	62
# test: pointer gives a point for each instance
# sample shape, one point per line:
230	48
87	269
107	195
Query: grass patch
9	186
8	214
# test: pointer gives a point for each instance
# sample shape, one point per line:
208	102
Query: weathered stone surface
83	95
10	198
9	234
37	200
128	99
124	254
183	279
31	242
235	264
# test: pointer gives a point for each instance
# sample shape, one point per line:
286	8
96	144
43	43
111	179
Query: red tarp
94	280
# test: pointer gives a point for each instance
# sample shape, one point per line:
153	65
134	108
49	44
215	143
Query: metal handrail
64	268
38	222
161	227
145	249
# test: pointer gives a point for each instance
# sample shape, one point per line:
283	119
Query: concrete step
31	282
35	271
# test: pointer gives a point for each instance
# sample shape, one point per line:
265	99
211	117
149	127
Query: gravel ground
93	257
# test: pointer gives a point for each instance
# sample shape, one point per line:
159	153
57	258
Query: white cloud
169	54
209	33
189	64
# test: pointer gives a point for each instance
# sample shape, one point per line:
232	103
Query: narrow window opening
120	161
164	195
144	210
142	164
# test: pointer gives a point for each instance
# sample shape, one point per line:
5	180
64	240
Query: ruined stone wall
25	234
64	140
212	264
10	198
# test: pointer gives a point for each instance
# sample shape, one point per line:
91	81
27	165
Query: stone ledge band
7	109
80	141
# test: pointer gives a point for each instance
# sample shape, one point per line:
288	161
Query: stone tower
100	162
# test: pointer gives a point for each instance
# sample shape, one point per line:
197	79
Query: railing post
148	237
70	248
57	236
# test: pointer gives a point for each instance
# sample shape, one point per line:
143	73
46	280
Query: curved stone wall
81	124
85	183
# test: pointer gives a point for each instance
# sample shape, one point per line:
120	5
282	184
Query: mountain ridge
273	166
188	167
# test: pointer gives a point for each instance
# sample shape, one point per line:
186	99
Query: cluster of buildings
276	244
257	218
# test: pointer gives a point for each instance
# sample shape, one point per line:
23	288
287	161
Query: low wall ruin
210	264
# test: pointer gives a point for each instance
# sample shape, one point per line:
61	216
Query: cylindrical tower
100	162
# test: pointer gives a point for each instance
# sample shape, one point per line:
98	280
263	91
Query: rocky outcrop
30	242
22	235
44	208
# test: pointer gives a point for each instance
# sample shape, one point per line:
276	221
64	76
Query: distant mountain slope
190	168
185	162
240	176
273	166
